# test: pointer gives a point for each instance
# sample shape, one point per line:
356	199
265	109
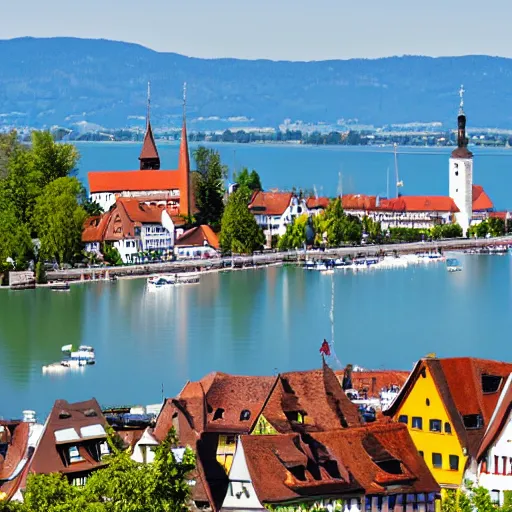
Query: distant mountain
65	81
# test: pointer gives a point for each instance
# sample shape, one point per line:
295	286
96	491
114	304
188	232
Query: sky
275	29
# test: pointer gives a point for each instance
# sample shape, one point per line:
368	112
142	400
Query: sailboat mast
387	183
396	168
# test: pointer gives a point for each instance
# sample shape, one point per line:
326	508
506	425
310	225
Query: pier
269	258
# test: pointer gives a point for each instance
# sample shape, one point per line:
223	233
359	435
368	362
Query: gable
263	427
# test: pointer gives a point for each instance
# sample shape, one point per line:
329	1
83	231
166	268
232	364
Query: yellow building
447	405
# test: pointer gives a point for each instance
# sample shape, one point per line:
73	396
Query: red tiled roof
270	203
196	237
133	181
459	383
317	202
419	204
462	153
64	415
358	202
317	395
95	227
336	462
16	453
499	418
141	212
481	200
499	215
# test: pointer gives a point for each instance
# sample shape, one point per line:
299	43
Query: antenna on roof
461	106
184	98
149	103
340	185
399	183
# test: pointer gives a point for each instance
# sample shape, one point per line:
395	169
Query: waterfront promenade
271	258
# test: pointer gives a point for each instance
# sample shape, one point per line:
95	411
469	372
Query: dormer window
74	454
491	383
90	413
219	414
64	415
245	415
296	416
473	421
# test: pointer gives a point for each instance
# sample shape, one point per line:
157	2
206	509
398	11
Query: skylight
93	431
66	435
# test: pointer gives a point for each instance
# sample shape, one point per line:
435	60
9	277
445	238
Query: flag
325	349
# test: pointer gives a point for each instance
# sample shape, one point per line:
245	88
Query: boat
453	265
60	286
84	353
172	280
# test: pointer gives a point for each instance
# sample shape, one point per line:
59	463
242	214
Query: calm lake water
260	321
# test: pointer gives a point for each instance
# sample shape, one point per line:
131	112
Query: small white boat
172	280
67	348
73	362
453	265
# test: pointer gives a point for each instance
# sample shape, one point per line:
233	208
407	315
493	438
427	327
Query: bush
40	273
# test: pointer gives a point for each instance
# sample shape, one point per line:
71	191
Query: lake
149	344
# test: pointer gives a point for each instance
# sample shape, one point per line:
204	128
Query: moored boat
172	280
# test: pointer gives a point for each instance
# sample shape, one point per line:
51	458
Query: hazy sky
275	29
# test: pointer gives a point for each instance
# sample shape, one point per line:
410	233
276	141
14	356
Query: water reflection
248	322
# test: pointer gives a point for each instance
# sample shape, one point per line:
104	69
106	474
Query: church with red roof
150	184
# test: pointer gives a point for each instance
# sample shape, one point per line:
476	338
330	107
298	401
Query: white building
133	227
461	173
274	211
493	467
197	242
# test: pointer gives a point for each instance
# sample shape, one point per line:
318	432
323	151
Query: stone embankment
271	258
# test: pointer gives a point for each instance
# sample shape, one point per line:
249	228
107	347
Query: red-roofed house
358	469
448	405
317	205
274	211
133	226
493	468
171	189
197	242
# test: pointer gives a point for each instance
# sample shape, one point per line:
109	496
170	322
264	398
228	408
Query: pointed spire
184	162
149	159
461	94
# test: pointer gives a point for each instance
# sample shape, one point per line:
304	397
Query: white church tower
461	172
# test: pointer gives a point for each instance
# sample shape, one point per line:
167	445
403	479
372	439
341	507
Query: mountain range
63	81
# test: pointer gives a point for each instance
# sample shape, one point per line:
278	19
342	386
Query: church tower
149	159
184	164
461	172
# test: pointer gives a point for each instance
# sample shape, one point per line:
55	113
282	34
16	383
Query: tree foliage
240	233
491	226
8	145
249	181
295	235
471	499
59	219
209	186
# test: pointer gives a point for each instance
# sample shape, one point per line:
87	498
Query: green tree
8	145
49	493
15	241
295	235
59	219
239	231
372	229
52	160
92	208
209	186
340	227
250	180
111	255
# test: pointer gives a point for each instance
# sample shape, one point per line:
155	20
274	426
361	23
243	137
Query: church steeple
462	141
184	162
149	159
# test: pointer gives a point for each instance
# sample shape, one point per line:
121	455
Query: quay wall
265	259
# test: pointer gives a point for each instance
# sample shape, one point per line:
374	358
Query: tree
52	160
209	186
111	254
295	235
15	241
59	219
250	180
92	208
470	499
8	145
340	227
239	231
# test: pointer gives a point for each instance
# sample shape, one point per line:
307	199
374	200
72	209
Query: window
424	373
456	173
454	462
74	454
447	428
473	421
435	425
427	401
245	415
422	455
437	460
495	496
104	449
403	419
504	465
219	414
417	422
490	383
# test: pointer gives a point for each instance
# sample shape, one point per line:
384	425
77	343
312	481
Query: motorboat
60	286
84	353
172	280
453	265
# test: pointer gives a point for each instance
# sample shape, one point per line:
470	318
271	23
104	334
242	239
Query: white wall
241	494
461	189
105	199
127	248
143	451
